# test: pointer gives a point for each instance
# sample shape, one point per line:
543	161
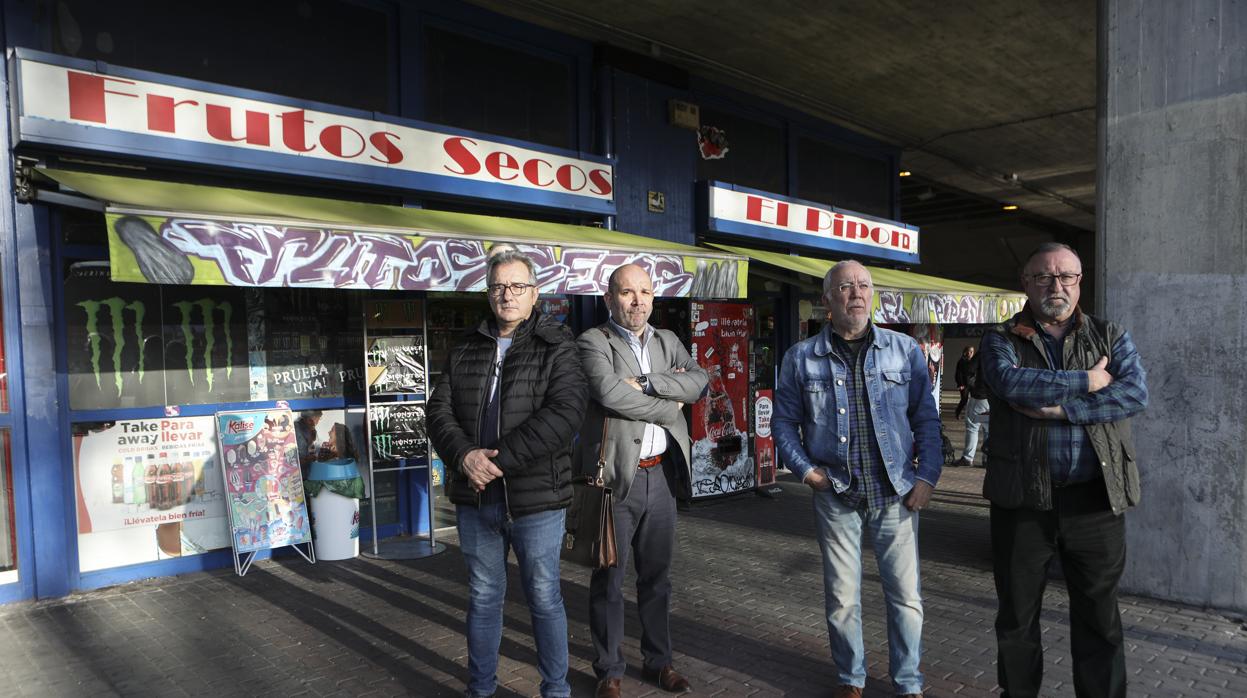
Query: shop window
313	342
82	227
113	337
322	50
756	155
479	86
147	490
8	535
839	177
146	345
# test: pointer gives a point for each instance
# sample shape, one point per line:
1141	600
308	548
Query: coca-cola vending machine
722	459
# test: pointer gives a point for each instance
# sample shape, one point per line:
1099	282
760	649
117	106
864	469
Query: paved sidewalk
747	621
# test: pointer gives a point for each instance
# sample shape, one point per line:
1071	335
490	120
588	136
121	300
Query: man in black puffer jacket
502	416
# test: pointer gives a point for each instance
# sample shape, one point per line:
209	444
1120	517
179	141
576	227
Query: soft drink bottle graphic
118	480
187	479
149	481
164	483
127	480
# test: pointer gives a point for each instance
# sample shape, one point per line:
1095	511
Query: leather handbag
589	538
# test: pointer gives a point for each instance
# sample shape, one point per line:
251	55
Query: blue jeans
894	534
977	416
484	537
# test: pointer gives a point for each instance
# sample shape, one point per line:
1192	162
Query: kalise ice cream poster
263	485
147	489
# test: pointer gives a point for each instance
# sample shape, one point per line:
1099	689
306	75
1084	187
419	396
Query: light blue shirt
654	441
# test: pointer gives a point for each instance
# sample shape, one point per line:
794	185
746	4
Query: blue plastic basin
337	469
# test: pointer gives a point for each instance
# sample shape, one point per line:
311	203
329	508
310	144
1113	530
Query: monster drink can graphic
205	338
398	431
112	340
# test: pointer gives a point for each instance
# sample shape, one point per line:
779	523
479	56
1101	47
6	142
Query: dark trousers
644	530
1091	543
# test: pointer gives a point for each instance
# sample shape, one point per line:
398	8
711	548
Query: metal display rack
395	394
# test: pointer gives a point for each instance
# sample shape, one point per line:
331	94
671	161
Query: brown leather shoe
668	679
608	688
846	691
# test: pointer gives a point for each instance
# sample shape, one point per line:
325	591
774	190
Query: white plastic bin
335	517
336	521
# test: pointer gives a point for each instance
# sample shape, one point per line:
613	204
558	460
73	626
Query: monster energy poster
205	344
396	365
113	341
397	430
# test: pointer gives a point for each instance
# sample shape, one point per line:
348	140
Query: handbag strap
599	480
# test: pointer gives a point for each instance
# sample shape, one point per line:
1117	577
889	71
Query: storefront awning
162	232
906	297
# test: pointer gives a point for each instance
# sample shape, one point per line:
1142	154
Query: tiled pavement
747	622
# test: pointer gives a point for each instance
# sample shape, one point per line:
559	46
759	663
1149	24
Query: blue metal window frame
15	365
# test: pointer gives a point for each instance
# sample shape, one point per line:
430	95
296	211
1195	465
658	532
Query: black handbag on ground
589	538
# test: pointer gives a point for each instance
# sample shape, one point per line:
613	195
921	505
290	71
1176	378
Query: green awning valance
163	232
906	297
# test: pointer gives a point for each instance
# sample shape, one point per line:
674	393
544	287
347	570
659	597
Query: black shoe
964	463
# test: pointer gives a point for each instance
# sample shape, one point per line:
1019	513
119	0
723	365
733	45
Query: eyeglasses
516	289
861	286
1067	279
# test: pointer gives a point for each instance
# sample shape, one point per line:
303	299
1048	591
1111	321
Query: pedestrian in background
978	411
963	365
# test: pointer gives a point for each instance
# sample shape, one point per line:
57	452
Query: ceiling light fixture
1010	207
904	173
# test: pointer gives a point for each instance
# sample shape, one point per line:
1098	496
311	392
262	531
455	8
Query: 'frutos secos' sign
119	113
739	211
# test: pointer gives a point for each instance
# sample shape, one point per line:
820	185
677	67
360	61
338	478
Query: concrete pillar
1173	222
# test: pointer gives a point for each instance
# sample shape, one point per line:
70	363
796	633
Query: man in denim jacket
854	411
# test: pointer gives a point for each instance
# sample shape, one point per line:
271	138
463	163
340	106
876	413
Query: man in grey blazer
640	378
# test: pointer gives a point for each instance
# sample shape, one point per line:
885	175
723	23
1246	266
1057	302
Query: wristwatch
643	382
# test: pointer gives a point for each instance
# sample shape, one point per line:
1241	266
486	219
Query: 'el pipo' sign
749	213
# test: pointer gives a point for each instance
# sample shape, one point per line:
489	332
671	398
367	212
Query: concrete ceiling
992	99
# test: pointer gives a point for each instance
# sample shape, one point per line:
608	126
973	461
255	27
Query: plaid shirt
869	486
1070	455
